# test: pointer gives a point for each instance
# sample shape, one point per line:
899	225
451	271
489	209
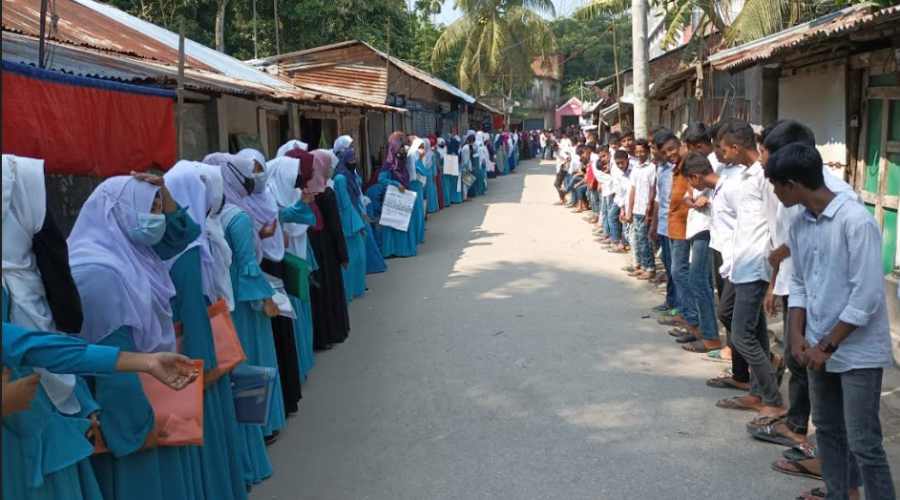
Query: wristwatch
827	347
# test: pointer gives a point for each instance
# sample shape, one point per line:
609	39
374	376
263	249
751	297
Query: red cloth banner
84	129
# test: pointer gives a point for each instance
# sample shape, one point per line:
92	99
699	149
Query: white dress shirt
838	277
698	219
752	239
724	215
643	178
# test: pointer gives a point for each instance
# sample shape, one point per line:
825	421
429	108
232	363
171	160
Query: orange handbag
177	415
229	352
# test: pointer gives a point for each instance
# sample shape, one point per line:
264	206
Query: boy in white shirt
640	205
750	272
839	321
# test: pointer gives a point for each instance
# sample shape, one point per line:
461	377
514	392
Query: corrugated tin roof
359	81
404	66
79	25
85	61
117	45
222	63
849	19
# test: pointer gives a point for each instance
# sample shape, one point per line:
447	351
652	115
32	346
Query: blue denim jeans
615	227
845	410
681	273
642	243
605	202
700	286
665	247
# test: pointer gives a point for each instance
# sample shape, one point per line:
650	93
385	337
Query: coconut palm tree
500	39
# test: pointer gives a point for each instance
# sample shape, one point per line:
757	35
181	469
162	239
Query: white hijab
199	188
289	145
282	186
137	291
264	211
24	210
218	276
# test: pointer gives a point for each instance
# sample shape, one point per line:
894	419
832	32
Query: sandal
677	332
769	433
735	404
800	452
811	468
688	338
698	346
813	494
715	355
724	382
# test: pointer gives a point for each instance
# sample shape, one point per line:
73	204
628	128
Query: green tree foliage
386	24
498	41
587	48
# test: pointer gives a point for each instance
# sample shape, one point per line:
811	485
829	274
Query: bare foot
772	411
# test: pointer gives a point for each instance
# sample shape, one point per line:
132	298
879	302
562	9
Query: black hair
784	132
739	133
642	142
603	147
664	136
696	133
696	164
615	137
626	132
720	129
796	162
621	155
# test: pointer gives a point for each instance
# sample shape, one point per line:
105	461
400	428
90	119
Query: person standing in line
125	230
751	272
839	321
659	226
706	333
640	204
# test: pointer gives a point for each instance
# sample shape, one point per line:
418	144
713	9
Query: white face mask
150	229
259	182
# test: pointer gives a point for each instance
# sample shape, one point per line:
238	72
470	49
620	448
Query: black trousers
739	367
797	418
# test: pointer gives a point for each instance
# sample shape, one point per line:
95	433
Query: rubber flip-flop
724	383
813	494
686	339
811	468
800	452
697	346
734	404
677	332
770	434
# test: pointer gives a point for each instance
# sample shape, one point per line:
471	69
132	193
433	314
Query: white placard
422	180
491	166
451	165
397	208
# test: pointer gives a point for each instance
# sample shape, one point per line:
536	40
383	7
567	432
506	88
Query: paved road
509	360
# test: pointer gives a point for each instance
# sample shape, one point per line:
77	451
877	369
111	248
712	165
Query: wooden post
616	69
43	35
179	106
277	30
255	46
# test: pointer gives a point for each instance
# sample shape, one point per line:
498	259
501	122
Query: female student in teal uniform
192	271
126	229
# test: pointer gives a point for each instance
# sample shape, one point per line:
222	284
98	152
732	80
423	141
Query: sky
449	13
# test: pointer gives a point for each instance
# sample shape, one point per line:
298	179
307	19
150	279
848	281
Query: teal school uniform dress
396	243
221	471
46	455
255	331
353	227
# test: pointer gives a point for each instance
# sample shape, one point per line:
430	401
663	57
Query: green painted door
880	180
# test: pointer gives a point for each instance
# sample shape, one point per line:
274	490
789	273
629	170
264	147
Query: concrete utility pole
640	63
